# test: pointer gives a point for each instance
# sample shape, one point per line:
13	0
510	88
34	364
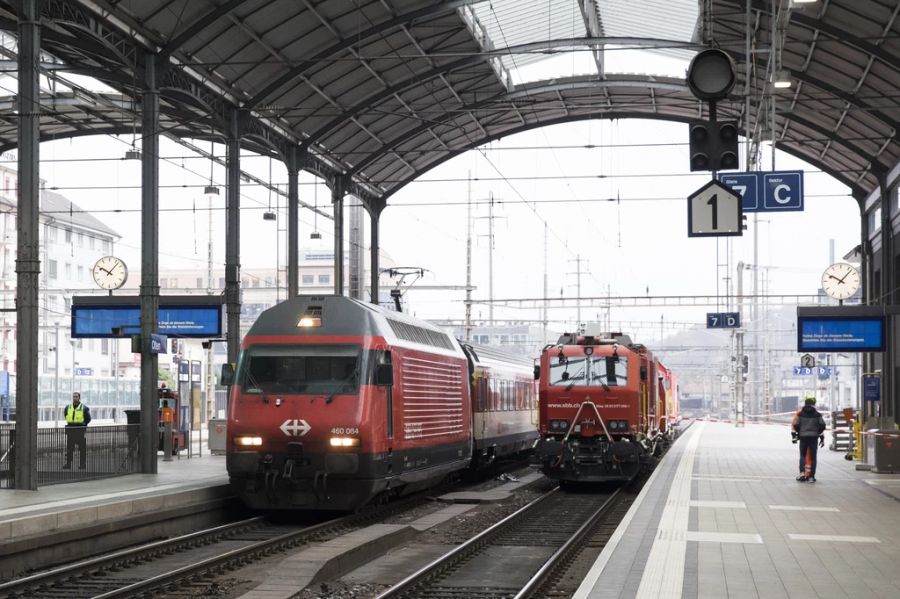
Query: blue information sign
745	184
84	372
840	333
723	320
157	344
178	321
767	191
872	388
821	371
783	190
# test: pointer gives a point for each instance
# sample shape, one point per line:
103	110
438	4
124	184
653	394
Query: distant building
521	338
71	241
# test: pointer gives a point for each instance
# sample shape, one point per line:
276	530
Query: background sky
610	192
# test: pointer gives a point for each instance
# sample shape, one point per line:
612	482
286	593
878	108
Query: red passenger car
337	402
601	415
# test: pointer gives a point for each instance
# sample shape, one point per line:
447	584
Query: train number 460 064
350	430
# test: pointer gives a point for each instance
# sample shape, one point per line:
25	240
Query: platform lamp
315	234
268	214
133	153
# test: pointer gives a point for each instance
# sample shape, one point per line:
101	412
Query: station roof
381	91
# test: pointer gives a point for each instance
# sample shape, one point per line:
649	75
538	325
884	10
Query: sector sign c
767	191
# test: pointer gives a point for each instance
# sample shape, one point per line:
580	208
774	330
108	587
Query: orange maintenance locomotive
604	409
336	402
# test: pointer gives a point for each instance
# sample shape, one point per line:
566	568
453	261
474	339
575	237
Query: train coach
603	408
336	403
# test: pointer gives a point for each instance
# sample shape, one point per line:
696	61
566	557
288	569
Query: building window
92	241
80	239
51	268
324	279
104	347
68	235
68	271
51	233
309	279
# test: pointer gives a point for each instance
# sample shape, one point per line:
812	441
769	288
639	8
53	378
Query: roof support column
865	265
293	262
375	214
28	257
233	235
337	198
887	293
357	250
149	292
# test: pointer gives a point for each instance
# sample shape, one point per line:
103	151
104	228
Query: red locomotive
604	410
336	402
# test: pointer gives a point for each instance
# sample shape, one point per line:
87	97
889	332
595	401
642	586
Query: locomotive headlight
343	442
309	321
248	441
613	425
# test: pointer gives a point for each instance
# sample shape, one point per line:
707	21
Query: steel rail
104	561
555	560
473	543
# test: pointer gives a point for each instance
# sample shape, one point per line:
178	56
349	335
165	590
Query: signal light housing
714	146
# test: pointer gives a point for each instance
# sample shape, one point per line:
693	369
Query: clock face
110	272
840	280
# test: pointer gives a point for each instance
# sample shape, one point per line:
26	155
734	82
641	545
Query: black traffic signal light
746	362
174	344
714	146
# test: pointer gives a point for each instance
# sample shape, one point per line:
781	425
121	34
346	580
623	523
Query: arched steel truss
425	97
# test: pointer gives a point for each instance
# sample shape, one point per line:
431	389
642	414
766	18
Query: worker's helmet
810	400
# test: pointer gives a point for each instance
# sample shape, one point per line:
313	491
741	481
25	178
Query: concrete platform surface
723	517
64	506
498	493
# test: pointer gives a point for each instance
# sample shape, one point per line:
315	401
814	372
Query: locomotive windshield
299	369
589	371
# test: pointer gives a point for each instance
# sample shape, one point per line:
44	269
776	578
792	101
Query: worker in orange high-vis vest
78	416
166	414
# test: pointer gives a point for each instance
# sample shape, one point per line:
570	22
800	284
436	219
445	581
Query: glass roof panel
500	24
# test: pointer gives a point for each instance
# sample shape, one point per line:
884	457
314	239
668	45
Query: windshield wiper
577	376
254	385
340	384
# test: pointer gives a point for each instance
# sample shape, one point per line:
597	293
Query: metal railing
96	452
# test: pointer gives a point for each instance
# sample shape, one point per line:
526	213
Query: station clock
840	280
110	272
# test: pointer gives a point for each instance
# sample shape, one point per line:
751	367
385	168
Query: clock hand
106	271
841	280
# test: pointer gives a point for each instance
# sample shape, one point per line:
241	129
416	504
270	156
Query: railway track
524	555
181	566
171	564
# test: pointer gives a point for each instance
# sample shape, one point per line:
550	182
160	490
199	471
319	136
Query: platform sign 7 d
723	320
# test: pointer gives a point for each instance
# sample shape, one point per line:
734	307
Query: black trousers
810	443
75	436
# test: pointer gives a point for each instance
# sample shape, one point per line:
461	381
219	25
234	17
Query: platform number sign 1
714	210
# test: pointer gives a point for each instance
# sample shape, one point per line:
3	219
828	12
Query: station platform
142	506
723	516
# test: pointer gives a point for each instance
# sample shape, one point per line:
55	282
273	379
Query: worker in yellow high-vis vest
78	416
